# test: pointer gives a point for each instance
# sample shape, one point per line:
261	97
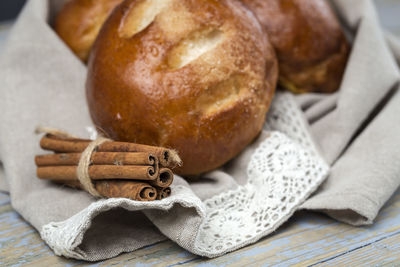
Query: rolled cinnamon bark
100	158
98	172
134	190
165	178
128	189
163	192
167	157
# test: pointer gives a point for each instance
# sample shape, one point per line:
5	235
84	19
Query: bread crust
79	22
309	41
199	78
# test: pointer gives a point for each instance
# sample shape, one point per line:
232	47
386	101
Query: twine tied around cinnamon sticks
107	168
83	166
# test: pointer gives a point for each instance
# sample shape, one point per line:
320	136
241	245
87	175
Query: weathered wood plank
382	252
19	242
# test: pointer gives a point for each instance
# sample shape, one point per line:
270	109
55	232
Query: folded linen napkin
358	128
43	83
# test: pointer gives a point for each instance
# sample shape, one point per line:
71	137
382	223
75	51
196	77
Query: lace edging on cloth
282	173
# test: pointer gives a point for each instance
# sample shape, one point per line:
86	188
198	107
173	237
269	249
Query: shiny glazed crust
79	22
311	47
195	76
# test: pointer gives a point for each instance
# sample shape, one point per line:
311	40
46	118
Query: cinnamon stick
100	158
98	172
164	179
163	192
134	190
167	157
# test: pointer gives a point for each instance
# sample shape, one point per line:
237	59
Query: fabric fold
360	135
365	177
370	74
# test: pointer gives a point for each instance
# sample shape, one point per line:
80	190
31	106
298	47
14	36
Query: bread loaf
311	48
79	22
197	76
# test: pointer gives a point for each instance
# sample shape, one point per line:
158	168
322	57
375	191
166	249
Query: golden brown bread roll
193	75
311	48
79	22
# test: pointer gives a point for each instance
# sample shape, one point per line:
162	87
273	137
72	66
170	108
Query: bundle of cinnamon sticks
116	169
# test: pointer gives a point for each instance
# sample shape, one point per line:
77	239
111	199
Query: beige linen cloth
356	129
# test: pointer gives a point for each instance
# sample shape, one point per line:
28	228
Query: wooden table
306	239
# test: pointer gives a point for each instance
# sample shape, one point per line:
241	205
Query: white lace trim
283	171
281	175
